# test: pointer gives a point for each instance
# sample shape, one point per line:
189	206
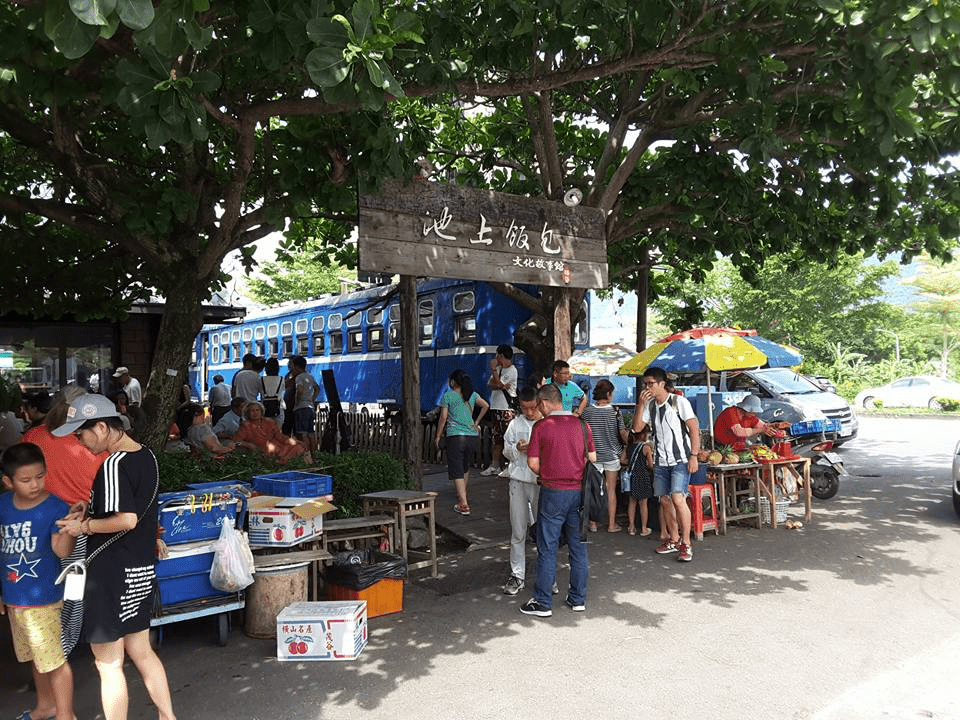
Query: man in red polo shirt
739	422
556	454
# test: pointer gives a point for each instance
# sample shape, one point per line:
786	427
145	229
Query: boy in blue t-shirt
31	546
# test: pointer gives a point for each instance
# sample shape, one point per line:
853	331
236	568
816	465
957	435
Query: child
30	554
641	483
524	491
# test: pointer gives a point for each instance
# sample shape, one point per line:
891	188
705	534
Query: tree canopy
143	141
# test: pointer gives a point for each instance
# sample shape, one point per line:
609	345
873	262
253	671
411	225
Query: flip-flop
26	715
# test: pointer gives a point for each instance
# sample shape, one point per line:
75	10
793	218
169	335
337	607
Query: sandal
631	531
462	509
614	529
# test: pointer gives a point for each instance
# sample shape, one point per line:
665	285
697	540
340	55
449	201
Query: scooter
826	467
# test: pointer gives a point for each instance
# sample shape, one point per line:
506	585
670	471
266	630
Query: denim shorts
303	421
671	480
609	465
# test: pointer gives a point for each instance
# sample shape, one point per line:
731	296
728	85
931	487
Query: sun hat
121	371
751	403
84	408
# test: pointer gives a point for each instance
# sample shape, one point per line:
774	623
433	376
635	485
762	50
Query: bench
368	527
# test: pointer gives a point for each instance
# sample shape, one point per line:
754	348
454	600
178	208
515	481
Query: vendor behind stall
739	422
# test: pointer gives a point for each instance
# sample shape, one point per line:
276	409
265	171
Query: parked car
956	479
823	382
916	391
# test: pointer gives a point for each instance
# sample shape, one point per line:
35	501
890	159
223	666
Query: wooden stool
703	497
402	504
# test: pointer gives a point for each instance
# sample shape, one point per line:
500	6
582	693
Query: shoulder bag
594	503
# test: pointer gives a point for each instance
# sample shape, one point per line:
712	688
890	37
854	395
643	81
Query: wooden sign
435	230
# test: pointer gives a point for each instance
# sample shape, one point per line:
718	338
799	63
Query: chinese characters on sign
437	230
516	236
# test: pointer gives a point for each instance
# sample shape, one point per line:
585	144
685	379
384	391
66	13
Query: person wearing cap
121	528
739	422
130	385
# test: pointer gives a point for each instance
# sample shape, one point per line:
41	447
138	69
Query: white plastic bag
232	568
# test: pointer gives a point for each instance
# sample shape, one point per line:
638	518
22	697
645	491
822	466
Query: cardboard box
283	522
322	631
384	597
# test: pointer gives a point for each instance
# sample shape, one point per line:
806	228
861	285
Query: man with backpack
676	434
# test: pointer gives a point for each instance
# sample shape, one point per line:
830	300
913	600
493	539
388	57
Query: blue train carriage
357	335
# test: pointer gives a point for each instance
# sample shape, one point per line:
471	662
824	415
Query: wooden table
403	504
724	478
800	468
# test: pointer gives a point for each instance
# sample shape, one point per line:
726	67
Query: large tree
142	141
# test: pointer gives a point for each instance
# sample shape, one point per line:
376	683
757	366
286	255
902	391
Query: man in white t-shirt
503	393
676	434
246	383
130	385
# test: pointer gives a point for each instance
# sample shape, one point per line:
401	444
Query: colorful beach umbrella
706	349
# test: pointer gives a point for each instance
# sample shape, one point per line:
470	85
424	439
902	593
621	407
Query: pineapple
716	458
729	456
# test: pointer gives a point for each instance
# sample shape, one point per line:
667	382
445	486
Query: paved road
854	616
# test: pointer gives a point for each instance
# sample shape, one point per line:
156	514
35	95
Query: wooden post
562	330
409	346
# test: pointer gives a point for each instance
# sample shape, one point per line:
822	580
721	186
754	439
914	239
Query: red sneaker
667	547
686	553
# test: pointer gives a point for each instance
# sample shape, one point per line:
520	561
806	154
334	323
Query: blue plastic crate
219	485
293	483
191	516
186	576
807	427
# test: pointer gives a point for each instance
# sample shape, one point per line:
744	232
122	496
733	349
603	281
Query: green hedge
357	473
353	473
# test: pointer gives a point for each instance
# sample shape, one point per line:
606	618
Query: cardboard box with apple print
284	522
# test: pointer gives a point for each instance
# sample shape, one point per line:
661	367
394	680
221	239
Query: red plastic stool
703	509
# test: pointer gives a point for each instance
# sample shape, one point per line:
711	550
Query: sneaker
576	607
513	586
462	509
556	589
686	553
492	470
532	607
667	547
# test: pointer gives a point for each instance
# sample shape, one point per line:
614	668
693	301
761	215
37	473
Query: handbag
594	503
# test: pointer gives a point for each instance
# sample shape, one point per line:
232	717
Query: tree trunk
410	345
181	321
562	326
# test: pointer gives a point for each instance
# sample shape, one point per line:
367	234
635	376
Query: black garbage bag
359	569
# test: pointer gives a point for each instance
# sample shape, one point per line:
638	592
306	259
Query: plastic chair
703	509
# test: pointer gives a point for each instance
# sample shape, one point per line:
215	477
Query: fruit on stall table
715	458
729	457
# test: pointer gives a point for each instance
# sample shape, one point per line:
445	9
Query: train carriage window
301	326
393	327
273	342
237	347
259	347
335	322
425	317
317	323
355	341
215	349
286	332
354	319
318	344
465	319
581	333
303	345
259	332
464	302
374	329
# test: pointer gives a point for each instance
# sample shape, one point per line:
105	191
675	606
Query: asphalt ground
853	616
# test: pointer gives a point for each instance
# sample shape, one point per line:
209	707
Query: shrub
949	404
357	473
179	468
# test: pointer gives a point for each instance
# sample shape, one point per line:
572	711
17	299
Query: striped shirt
606	422
672	441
